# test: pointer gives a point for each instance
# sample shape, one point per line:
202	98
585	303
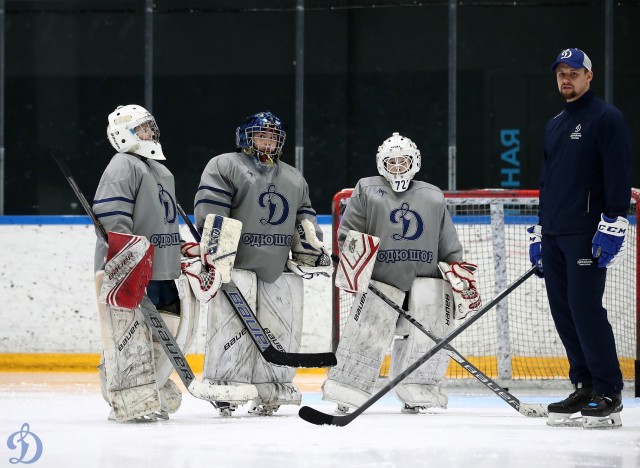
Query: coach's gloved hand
609	242
535	248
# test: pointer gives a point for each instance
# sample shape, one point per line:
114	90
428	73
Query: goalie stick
316	417
527	409
155	322
278	357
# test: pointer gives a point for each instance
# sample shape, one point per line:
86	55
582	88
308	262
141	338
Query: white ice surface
68	414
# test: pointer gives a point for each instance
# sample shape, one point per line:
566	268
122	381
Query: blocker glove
609	242
535	248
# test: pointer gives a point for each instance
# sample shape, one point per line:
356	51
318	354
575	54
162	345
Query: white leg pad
431	304
130	380
280	312
229	350
363	344
183	328
170	397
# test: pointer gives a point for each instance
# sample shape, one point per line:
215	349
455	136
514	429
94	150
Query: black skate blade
322	419
309	360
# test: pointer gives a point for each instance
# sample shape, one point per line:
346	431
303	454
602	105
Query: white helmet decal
398	161
124	137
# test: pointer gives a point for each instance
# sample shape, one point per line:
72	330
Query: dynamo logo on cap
574	58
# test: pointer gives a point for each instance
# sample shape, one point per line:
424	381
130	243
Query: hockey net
517	339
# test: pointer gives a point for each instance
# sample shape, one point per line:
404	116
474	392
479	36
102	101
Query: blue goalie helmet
262	135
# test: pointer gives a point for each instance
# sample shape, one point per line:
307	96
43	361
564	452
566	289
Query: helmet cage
262	136
398	161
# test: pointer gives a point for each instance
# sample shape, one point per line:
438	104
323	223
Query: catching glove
465	291
309	258
609	243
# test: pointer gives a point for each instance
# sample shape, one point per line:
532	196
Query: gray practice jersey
137	196
414	227
267	201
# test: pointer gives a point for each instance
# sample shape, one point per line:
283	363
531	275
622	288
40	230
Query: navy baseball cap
575	58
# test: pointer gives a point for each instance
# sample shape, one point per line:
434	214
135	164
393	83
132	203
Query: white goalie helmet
398	161
132	129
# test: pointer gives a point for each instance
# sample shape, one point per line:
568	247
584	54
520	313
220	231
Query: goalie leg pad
183	327
431	304
363	344
170	397
229	350
130	379
129	368
280	312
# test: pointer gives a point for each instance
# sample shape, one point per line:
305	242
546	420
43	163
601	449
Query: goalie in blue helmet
262	135
280	245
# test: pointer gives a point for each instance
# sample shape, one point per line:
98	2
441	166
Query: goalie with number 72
397	233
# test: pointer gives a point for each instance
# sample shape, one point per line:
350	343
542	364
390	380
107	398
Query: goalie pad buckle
309	258
357	260
127	271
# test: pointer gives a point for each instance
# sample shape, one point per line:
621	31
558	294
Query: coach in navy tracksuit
584	198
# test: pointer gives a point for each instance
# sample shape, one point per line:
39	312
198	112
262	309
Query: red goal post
517	340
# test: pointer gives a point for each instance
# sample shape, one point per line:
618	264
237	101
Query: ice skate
147	418
225	409
261	409
603	412
411	409
342	409
561	412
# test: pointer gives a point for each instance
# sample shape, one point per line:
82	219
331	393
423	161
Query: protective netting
517	338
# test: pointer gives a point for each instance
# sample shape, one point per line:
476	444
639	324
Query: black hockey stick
319	418
278	357
156	323
526	409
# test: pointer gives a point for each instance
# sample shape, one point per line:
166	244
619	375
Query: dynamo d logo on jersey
27	446
276	205
169	205
410	221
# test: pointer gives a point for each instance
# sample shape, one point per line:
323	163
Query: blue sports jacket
586	168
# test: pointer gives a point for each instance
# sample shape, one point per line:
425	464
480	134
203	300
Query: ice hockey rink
67	414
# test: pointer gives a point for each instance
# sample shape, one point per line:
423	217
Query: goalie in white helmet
135	202
397	233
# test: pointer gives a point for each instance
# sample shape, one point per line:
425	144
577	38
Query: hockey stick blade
531	410
264	343
316	417
155	322
259	336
